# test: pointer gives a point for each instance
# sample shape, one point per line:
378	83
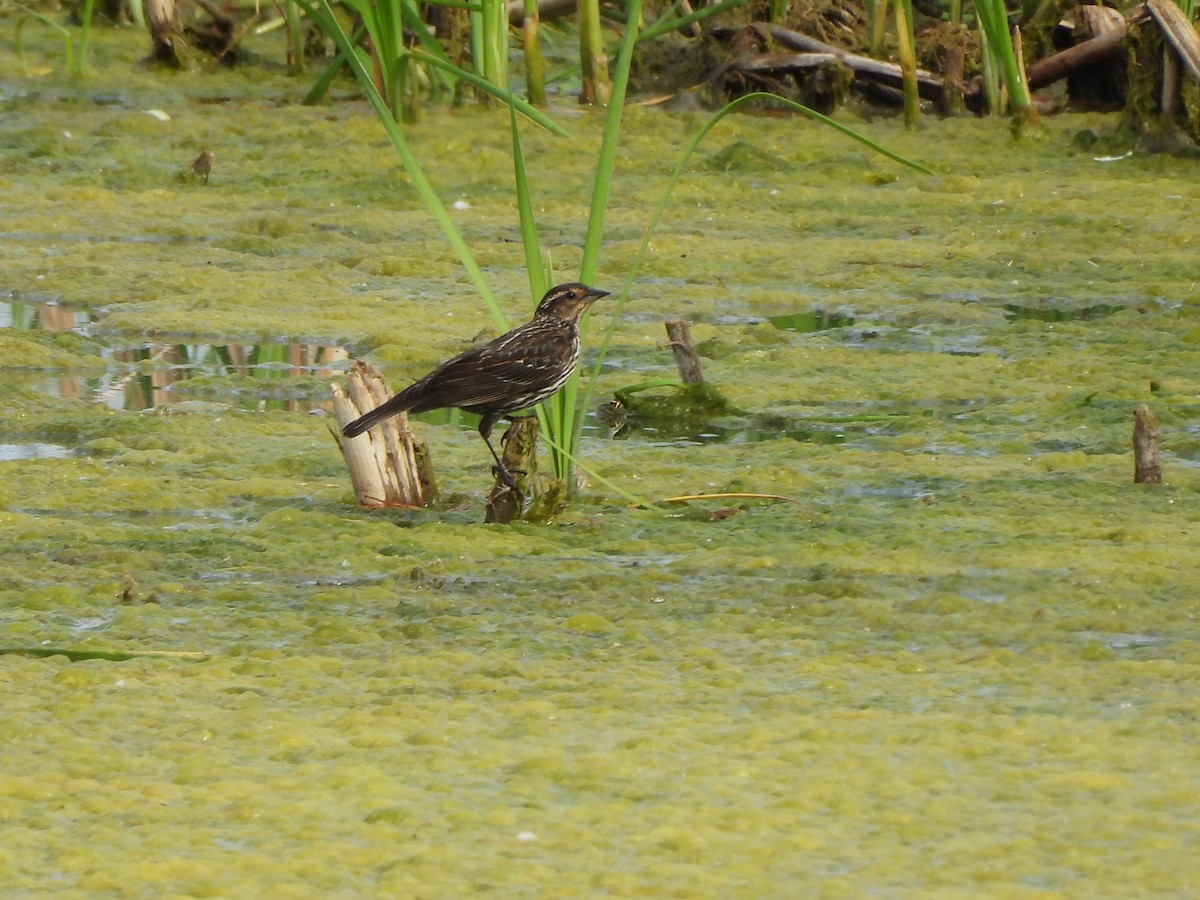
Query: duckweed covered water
962	660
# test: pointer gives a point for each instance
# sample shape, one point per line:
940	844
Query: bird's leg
485	432
501	470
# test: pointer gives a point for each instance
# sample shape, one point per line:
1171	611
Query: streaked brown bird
202	165
515	371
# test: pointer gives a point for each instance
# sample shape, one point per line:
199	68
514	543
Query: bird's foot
506	476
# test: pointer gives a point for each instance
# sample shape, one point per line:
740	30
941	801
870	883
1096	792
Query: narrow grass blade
568	409
612	486
674	23
419	180
640	256
530	112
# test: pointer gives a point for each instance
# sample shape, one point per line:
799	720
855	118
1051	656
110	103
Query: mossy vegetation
962	659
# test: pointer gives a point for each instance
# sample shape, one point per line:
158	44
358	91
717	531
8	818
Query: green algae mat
959	660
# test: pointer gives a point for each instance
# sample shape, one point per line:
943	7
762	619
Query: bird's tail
396	405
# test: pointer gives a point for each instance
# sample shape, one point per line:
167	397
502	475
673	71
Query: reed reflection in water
141	375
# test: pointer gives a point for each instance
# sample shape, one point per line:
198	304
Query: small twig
691	29
683	498
1146	468
684	348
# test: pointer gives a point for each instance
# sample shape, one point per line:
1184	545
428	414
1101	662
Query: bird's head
568	301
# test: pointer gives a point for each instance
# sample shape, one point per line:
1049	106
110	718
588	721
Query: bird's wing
496	371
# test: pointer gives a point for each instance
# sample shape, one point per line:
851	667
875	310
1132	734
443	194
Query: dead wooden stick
1146	469
1081	56
684	348
929	86
691	29
389	465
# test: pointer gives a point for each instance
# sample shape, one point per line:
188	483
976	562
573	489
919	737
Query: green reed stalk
494	43
674	23
389	26
392	63
908	62
538	282
878	10
602	181
76	61
19	42
417	175
592	59
535	63
677	175
566	414
534	115
297	64
85	31
991	77
993	23
384	23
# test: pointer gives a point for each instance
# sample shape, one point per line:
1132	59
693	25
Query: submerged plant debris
965	661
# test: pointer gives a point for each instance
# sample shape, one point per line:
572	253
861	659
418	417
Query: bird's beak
594	294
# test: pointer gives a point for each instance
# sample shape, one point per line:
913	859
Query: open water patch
139	374
1015	312
142	374
812	321
34	450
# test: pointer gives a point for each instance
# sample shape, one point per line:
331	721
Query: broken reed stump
166	29
1146	469
520	458
389	465
1178	32
684	348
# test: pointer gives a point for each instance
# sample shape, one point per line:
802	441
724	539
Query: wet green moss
43	350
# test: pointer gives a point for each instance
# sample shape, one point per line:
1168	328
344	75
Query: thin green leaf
508	97
321	87
568	408
419	180
529	233
612	486
531	244
677	175
608	147
413	20
674	23
456	4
